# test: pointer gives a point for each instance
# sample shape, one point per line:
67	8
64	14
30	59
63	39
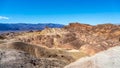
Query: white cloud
3	17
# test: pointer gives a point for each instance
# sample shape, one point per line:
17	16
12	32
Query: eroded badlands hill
84	37
64	44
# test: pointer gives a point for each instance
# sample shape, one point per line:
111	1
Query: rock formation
67	44
87	38
106	59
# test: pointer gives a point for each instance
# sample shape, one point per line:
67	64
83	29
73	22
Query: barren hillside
87	38
67	44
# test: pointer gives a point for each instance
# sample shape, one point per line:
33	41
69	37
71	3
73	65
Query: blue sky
60	11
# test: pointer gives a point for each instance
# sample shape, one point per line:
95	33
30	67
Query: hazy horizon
60	11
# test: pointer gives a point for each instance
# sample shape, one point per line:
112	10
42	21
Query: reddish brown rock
91	39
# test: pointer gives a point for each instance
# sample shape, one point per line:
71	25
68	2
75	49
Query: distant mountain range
23	26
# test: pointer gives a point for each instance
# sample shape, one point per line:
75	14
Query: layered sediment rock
87	38
66	44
